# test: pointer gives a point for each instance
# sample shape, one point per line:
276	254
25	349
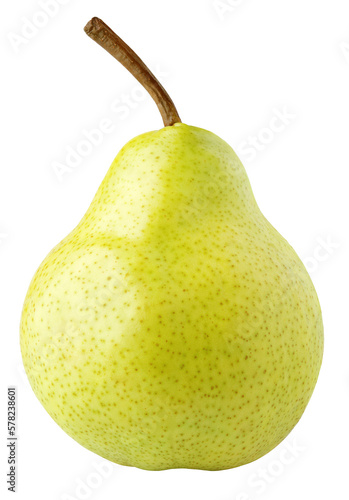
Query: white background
230	67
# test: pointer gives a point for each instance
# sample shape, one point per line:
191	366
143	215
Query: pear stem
112	43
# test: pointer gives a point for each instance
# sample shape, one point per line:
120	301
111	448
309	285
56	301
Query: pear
173	327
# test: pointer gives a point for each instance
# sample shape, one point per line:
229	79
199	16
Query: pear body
174	326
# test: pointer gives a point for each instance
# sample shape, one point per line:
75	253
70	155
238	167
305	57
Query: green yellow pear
174	326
